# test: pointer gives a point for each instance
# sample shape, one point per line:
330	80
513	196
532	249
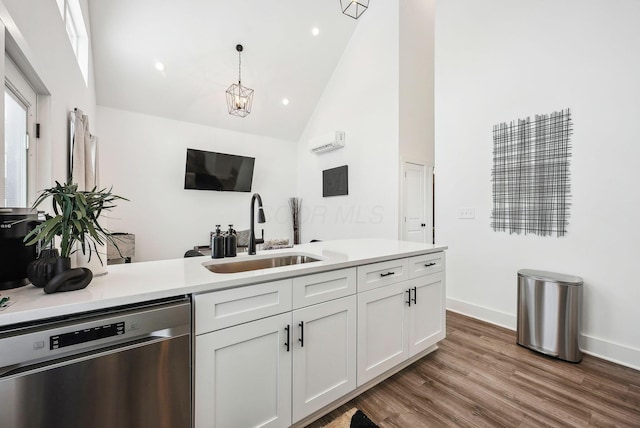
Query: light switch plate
466	213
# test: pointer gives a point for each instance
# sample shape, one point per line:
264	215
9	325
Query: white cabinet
382	330
272	354
427	312
257	369
397	322
322	287
243	376
383	273
324	354
234	306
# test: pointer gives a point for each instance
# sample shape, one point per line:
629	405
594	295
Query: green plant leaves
76	218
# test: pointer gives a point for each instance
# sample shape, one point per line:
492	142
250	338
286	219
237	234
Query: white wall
42	29
416	80
499	60
361	98
143	157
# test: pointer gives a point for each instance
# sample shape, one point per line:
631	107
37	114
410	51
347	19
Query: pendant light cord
239	68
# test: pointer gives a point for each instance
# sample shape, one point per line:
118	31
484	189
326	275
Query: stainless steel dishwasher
125	368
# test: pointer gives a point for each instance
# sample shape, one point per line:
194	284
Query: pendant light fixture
239	98
354	8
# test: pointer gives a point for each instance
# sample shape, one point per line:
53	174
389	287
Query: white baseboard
480	312
614	352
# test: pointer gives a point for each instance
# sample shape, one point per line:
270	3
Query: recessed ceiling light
285	101
315	31
160	66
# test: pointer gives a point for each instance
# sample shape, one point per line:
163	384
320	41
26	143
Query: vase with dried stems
295	204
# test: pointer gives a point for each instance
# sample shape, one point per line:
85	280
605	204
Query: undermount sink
261	263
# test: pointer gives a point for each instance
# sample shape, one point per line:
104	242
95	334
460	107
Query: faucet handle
261	239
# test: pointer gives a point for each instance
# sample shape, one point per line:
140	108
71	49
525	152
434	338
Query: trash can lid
550	276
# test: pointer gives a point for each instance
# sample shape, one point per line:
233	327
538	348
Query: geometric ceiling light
354	8
239	98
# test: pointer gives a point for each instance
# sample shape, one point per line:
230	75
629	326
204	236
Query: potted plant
76	221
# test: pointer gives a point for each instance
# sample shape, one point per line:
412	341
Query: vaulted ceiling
196	40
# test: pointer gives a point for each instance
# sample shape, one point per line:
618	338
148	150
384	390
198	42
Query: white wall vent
326	143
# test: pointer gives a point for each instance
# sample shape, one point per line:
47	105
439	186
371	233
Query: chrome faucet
252	238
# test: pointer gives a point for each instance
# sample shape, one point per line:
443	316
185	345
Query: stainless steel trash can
549	310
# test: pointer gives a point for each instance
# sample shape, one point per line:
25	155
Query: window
71	14
19	150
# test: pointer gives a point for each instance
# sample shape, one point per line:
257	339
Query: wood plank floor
480	377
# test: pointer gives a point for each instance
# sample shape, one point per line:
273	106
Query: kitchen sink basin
261	263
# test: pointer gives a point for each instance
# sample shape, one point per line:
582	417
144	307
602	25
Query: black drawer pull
301	340
430	264
387	274
415	295
408	301
287	329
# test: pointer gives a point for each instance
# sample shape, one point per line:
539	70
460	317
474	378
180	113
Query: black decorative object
41	270
531	186
67	279
335	181
239	98
295	204
354	8
70	280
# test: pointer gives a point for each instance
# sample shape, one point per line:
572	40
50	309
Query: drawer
380	274
321	287
221	309
426	264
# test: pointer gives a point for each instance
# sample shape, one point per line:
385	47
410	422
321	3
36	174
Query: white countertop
139	282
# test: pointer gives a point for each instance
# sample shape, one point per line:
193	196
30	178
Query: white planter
82	260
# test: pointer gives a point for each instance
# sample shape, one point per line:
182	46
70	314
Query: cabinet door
427	312
243	376
382	331
324	362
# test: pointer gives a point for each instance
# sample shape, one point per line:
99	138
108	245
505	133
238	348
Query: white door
324	362
19	149
382	331
415	200
426	314
243	376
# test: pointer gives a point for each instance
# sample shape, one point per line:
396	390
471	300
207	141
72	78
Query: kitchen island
139	282
295	340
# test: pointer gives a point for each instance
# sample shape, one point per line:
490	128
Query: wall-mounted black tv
218	171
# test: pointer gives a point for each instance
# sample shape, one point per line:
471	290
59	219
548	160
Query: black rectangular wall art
335	181
531	186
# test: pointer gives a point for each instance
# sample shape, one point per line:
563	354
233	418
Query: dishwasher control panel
86	335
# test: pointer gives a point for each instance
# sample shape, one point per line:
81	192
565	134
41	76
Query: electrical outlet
466	213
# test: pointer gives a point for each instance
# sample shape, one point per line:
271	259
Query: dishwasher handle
38	366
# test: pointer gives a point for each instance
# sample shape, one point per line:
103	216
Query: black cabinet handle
287	329
408	301
386	274
430	264
301	340
415	295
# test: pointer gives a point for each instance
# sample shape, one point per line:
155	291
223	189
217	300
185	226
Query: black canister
230	242
15	224
217	244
